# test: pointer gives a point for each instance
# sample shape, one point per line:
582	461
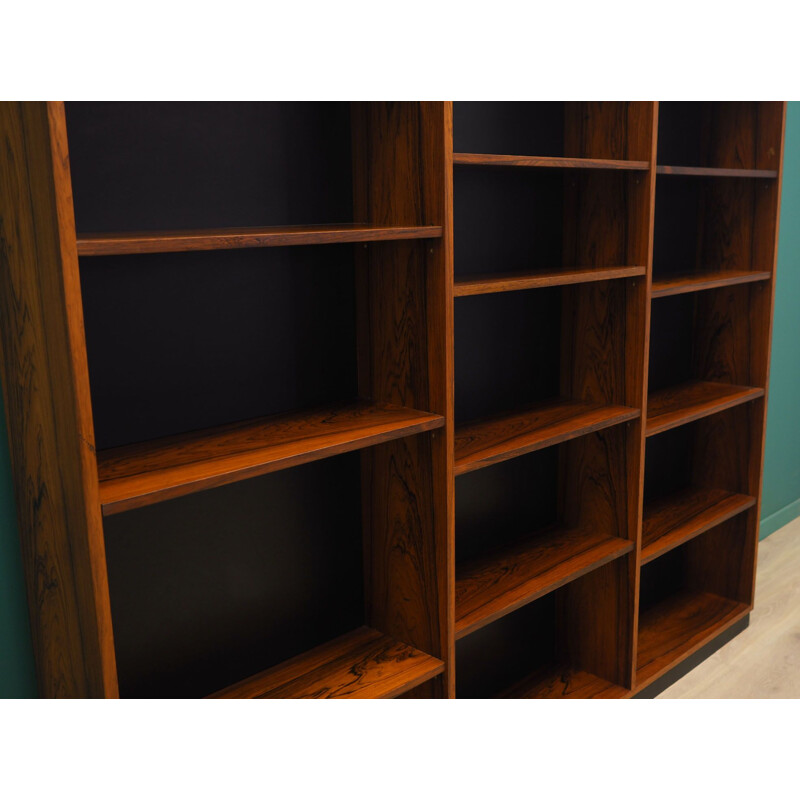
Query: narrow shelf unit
692	594
392	399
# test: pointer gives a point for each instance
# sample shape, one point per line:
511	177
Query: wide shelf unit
385	399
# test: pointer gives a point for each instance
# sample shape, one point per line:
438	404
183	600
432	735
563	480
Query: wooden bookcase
385	399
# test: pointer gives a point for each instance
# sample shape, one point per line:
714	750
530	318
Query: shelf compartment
535	221
716	172
564	644
560	681
362	664
551	162
616	131
517	281
708	279
720	137
490	441
678	626
504	581
141	474
678	517
692	593
690	401
106	244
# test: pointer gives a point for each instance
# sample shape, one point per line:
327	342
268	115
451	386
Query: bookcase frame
468	381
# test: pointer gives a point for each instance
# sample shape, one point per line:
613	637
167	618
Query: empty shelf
490	160
490	441
515	281
488	588
710	279
361	664
141	474
679	626
687	402
554	682
109	244
717	172
677	518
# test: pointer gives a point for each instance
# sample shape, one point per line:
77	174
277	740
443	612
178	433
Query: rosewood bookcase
386	399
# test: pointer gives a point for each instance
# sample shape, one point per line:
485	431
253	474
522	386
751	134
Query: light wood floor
764	660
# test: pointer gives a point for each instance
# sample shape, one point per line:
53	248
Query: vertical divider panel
51	434
402	154
644	127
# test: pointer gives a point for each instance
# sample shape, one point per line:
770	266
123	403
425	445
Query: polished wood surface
498	584
698	281
140	474
489	160
109	244
45	379
401	177
480	444
690	401
717	172
553	367
361	664
564	682
512	281
677	627
675	519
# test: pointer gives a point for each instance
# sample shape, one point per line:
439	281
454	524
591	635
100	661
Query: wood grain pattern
717	172
675	628
690	401
44	375
516	281
489	160
109	244
494	586
564	682
141	474
362	664
675	519
707	279
479	444
402	176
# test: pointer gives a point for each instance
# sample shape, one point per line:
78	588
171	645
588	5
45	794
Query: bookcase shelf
673	520
504	439
708	279
490	160
687	402
716	172
361	664
108	244
491	441
517	281
496	585
149	472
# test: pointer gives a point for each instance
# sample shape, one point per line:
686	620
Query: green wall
781	491
17	677
781	499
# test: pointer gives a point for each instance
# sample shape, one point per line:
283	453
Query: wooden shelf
110	244
360	664
677	518
489	588
142	474
677	627
516	281
687	402
709	279
716	172
490	441
560	681
490	160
